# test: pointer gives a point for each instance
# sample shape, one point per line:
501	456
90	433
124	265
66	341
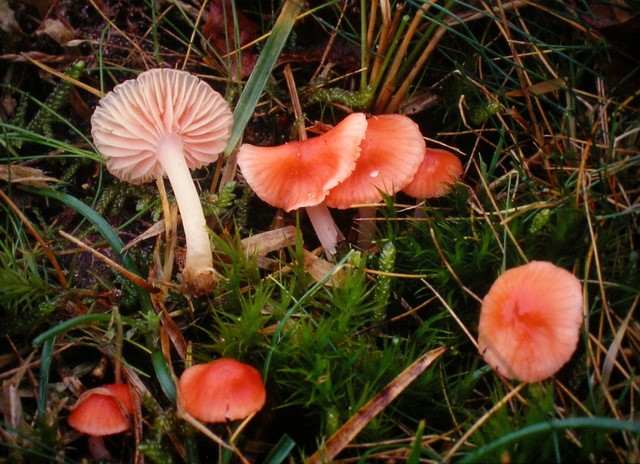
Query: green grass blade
277	336
163	375
281	450
104	229
43	387
75	322
265	64
603	423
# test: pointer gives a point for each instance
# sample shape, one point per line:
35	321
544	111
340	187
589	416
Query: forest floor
369	354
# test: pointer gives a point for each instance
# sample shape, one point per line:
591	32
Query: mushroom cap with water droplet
392	150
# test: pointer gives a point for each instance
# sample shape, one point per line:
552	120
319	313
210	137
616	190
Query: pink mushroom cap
392	150
221	390
436	174
131	121
103	411
530	321
301	173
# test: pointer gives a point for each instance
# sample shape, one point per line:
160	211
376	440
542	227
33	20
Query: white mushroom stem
325	227
97	449
198	271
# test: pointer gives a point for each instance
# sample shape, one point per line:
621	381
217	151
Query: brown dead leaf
540	88
8	22
219	30
350	429
272	240
57	30
319	269
25	175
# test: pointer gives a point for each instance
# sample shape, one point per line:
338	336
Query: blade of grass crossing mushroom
339	440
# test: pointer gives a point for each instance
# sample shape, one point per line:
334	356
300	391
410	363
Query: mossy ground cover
538	99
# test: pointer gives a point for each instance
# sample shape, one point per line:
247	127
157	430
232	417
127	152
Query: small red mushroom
301	173
221	390
530	321
165	123
100	412
435	176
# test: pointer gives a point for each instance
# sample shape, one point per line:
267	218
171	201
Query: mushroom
530	321
221	390
392	150
301	173
164	123
100	412
435	176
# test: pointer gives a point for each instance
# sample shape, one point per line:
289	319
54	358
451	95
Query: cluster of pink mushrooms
353	164
166	122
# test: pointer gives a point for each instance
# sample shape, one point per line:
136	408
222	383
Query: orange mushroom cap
103	410
392	150
222	390
436	174
301	173
131	121
530	321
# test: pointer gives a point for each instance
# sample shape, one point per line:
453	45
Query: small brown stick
389	85
400	95
452	312
133	278
384	40
449	268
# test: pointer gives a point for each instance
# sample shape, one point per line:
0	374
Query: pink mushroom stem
198	270
325	227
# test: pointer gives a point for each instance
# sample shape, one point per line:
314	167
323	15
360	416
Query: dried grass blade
133	278
360	419
272	240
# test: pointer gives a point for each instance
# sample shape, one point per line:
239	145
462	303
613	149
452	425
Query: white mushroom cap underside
131	120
